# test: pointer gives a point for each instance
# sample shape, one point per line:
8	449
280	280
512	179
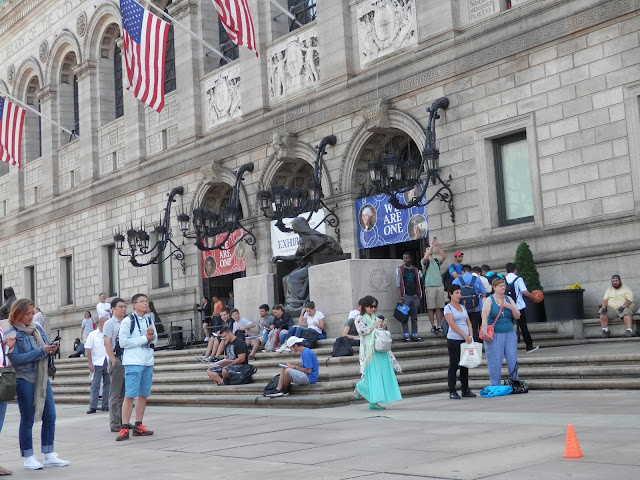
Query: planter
564	305
534	311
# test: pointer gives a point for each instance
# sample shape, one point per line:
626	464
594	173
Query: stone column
335	44
253	71
189	69
134	119
50	138
89	116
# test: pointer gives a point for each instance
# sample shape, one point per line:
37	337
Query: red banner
224	262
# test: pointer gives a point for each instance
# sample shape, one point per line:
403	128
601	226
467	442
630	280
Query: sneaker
124	433
203	358
52	460
416	339
282	348
434	329
91	410
468	393
105	409
115	429
532	348
406	339
628	333
440	330
30	463
206	339
141	431
606	333
252	357
277	393
454	396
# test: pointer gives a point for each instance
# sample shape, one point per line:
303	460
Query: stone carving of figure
310	63
296	284
280	75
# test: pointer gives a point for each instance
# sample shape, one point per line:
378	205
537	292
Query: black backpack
271	386
342	347
511	289
310	337
446	279
117	350
242	374
469	298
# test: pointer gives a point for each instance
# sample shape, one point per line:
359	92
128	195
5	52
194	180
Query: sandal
4	471
376	406
357	395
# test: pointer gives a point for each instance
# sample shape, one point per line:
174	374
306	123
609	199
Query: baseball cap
458	253
291	341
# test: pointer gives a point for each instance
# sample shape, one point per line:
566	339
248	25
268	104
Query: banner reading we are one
223	262
379	223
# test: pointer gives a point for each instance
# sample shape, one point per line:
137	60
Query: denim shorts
137	381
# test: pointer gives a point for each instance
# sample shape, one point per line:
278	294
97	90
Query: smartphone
435	239
282	365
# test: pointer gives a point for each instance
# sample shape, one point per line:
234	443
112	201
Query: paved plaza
421	437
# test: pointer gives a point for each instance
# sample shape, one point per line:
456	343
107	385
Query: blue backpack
496	391
469	298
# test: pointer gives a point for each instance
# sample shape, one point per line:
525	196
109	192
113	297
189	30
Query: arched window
68	104
117	81
76	107
227	47
304	11
170	64
32	136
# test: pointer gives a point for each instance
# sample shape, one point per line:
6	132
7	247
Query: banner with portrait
223	262
286	243
379	223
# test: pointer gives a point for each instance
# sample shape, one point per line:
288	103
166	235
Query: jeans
413	302
100	375
299	331
3	411
27	408
524	329
503	345
453	346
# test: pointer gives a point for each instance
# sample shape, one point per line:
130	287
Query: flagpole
194	35
31	109
286	12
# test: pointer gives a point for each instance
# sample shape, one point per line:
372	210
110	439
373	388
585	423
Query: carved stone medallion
11	74
81	24
44	51
379	280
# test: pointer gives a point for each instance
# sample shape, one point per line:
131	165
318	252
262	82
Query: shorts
435	297
298	377
231	370
137	381
614	314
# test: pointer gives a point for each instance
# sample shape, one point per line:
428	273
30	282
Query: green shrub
527	268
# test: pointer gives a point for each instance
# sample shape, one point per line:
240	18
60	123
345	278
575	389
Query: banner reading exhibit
286	243
379	223
223	262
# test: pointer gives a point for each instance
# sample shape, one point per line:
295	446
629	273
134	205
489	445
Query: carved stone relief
376	115
282	146
44	51
11	74
379	280
293	65
223	101
385	26
81	24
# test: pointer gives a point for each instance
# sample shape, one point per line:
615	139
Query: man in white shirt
516	285
137	337
97	357
111	331
103	308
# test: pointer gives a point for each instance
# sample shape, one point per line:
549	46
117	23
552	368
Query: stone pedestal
251	292
336	288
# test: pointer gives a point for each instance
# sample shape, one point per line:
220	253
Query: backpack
117	350
447	279
310	337
342	347
469	298
242	374
271	386
511	289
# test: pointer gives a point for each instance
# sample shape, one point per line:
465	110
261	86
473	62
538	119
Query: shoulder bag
491	328
7	379
383	340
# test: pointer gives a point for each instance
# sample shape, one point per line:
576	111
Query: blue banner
379	223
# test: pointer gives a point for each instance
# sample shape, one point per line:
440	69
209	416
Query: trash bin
176	340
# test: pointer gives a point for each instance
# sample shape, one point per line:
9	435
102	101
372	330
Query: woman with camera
378	384
30	358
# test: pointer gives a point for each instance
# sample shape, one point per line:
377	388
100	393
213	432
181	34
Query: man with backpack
409	293
137	337
433	286
517	289
471	297
115	369
304	374
236	358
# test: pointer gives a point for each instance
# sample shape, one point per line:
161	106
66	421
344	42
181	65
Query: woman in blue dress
378	383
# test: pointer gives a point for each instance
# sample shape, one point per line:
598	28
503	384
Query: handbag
342	347
401	313
490	328
383	340
519	386
7	380
470	354
51	369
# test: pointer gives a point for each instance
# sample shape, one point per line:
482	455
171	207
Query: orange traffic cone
572	447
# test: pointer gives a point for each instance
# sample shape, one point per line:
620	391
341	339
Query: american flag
236	19
11	122
144	38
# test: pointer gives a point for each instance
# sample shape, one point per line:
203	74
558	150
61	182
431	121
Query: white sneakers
203	358
52	460
30	463
283	348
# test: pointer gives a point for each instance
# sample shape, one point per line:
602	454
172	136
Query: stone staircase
179	379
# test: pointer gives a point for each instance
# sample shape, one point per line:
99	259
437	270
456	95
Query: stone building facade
562	75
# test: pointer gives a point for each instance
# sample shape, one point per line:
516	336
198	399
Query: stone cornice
182	9
84	69
46	93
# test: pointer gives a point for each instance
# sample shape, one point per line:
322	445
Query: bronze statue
312	242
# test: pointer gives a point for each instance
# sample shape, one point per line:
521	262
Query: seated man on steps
265	325
214	345
235	350
305	374
617	303
349	330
